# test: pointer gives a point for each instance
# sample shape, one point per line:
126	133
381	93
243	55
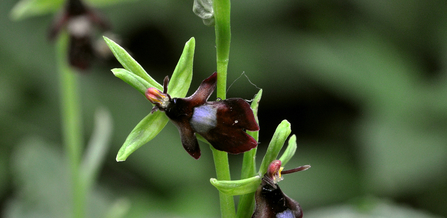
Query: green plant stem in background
71	124
223	38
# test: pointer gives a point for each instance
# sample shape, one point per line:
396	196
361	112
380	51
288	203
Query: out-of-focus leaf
289	152
40	173
237	187
97	147
130	64
145	130
279	138
28	8
181	78
132	79
369	208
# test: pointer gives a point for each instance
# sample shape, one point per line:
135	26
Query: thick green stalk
71	124
223	38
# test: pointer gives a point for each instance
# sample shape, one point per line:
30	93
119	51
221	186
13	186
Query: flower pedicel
222	123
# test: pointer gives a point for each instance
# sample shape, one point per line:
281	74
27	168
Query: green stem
223	38
71	123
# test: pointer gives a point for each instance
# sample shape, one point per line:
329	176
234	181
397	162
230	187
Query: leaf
27	8
145	131
181	77
97	147
237	187
279	137
135	81
130	64
289	152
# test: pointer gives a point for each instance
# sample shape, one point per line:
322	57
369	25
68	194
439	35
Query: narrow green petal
135	81
145	131
182	76
237	187
289	152
130	64
28	8
279	138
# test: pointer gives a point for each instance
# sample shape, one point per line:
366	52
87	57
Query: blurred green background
363	83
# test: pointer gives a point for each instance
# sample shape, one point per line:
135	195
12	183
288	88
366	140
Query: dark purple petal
204	91
189	140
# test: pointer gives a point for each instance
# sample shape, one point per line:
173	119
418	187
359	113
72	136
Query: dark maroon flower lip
222	123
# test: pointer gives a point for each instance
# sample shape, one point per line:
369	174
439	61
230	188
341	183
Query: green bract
136	76
237	187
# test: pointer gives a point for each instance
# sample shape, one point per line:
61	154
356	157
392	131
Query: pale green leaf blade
145	131
130	64
182	76
279	138
237	187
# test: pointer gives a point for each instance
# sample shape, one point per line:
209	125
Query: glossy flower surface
222	123
79	21
271	202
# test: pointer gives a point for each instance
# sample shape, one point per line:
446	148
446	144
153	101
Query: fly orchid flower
78	20
222	123
271	202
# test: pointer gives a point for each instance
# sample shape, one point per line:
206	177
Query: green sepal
289	152
181	77
132	79
145	131
279	138
237	187
130	64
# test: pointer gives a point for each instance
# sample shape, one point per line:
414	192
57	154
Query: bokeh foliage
363	84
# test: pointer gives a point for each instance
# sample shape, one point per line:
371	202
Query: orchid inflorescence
221	123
